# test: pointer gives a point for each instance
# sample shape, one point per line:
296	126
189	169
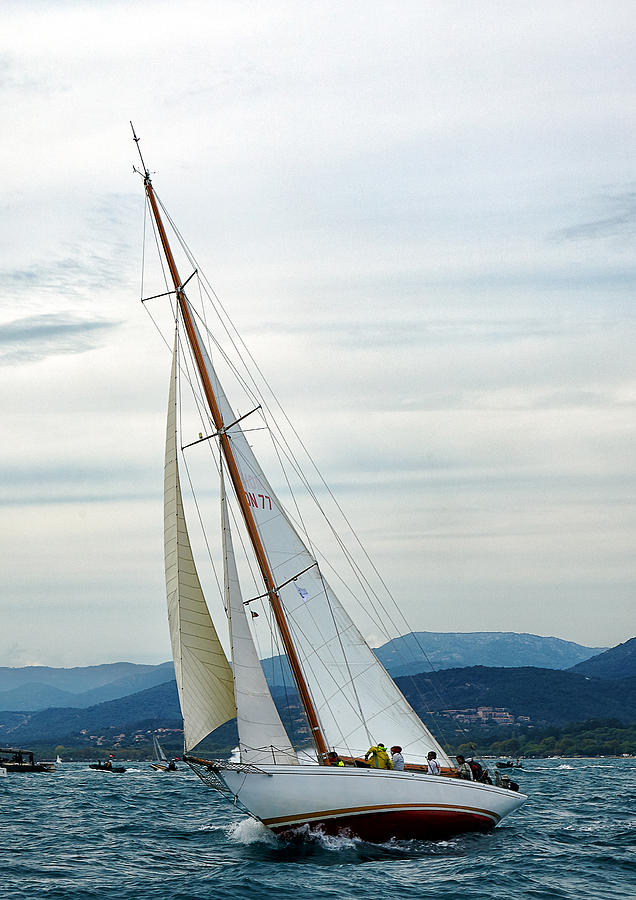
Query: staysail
262	736
204	676
357	701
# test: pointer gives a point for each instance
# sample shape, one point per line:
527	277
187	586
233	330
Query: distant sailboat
161	762
349	700
58	759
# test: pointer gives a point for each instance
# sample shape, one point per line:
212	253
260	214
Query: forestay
357	702
204	676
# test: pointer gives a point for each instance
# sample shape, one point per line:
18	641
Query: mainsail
357	701
262	736
160	756
204	676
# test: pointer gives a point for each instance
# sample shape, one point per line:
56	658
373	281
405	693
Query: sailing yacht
349	700
160	763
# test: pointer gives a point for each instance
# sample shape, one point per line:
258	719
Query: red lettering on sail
263	501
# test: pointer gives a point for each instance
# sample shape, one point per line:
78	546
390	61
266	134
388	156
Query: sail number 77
258	501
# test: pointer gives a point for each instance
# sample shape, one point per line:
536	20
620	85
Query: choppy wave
81	834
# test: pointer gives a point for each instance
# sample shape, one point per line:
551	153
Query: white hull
375	805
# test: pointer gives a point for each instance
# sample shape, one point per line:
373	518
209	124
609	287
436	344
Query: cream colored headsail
204	676
262	736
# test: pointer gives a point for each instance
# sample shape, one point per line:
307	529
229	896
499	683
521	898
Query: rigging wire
143	249
344	656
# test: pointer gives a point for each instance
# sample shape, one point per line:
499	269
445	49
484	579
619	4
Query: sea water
79	834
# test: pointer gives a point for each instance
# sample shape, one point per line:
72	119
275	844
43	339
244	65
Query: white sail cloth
357	702
204	676
262	736
160	756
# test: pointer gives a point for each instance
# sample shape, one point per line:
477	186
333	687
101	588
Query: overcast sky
422	217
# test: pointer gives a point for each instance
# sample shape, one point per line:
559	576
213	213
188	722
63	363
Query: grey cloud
44	277
100	257
430	331
15	78
78	484
37	337
619	220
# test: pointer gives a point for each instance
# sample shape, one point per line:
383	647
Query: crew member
433	767
379	758
397	759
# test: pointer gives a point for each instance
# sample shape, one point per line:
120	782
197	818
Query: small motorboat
509	764
15	760
107	767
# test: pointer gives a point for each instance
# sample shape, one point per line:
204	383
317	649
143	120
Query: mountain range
614	663
426	651
41	687
544	696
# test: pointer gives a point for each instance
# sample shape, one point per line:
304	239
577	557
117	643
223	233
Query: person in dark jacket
333	759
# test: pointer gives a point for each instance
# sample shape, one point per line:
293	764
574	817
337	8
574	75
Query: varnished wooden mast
277	607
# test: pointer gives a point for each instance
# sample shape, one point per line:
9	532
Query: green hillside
618	662
545	697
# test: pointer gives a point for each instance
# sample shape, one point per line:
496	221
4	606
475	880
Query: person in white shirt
398	759
433	767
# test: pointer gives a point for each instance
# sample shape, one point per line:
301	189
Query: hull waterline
405	825
372	805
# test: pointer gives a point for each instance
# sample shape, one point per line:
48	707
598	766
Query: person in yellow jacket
379	758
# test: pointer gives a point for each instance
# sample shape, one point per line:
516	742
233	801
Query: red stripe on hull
407	824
